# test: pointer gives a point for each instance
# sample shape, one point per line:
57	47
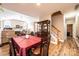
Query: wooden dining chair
35	51
45	49
13	51
41	50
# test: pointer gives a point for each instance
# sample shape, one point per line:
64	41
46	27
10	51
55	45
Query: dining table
24	44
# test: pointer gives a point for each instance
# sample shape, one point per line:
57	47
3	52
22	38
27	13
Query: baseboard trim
53	42
4	44
61	41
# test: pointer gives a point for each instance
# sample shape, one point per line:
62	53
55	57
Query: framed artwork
18	26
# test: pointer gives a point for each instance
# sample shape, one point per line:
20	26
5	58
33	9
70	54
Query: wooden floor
68	48
4	51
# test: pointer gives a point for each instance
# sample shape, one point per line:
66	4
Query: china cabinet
43	31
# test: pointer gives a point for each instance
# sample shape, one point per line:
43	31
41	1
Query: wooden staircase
55	34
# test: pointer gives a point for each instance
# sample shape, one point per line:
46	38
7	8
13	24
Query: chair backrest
12	48
45	50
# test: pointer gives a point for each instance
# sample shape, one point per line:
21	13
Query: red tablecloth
25	44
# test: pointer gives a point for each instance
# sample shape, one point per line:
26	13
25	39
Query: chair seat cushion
36	51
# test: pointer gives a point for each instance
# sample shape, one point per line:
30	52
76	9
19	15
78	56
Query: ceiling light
38	4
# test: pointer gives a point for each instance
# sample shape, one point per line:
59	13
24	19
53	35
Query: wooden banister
56	28
57	32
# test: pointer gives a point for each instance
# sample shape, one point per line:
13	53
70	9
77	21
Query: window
7	24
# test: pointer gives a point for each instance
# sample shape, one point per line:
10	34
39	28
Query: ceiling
39	11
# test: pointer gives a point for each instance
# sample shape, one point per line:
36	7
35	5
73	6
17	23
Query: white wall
47	17
17	22
77	25
0	32
0	23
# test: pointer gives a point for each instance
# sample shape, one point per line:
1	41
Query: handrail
56	28
57	32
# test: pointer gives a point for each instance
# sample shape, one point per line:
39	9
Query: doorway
69	30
